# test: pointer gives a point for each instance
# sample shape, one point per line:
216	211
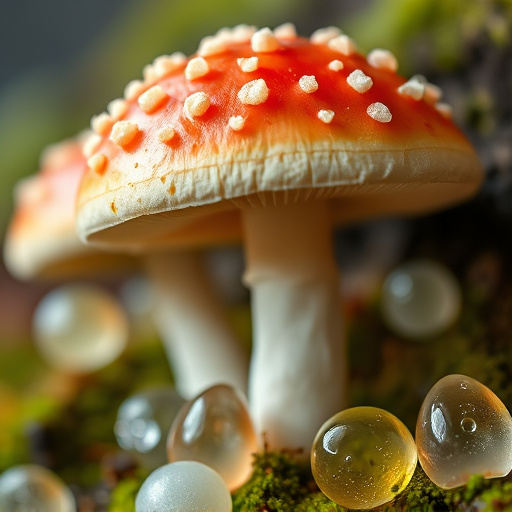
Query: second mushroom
41	244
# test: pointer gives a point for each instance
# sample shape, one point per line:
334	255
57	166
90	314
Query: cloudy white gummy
185	486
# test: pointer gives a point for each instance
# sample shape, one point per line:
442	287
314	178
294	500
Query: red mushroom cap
259	117
41	240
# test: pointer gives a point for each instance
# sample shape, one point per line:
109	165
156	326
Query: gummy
143	422
363	457
30	487
215	428
420	299
80	328
185	486
463	428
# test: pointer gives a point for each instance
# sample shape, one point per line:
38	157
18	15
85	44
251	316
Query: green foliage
23	402
437	31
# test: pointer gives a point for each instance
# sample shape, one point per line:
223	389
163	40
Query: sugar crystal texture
420	299
29	487
80	328
215	428
185	486
463	429
143	422
363	457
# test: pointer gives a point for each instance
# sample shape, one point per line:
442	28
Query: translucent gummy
363	457
463	429
143	422
32	488
420	299
215	428
80	328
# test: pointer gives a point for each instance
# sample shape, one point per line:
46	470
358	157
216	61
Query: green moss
277	484
123	496
422	494
281	484
497	497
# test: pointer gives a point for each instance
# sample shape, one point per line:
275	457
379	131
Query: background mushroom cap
41	241
201	138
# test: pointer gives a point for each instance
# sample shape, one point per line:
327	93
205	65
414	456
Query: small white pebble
379	112
359	81
123	132
382	59
134	88
286	31
97	163
166	64
211	45
342	44
152	99
264	41
445	110
335	65
196	105
117	108
326	116
166	134
196	68
413	88
308	83
254	92
324	35
91	144
236	123
248	65
102	123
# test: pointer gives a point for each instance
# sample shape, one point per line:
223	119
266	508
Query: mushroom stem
201	347
297	372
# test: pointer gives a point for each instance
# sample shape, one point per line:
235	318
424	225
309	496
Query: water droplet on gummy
468	425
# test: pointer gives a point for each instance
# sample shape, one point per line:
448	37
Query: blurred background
61	62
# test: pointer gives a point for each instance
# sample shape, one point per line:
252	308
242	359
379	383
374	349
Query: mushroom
42	244
291	135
